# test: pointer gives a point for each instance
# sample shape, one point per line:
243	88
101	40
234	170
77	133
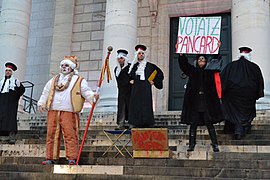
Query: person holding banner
124	87
63	96
144	75
201	104
242	85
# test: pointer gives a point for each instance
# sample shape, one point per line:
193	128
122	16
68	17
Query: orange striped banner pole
102	75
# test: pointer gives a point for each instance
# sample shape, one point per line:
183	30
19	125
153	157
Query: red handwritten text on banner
198	35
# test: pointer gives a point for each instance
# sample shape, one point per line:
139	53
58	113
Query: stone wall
40	44
87	40
144	23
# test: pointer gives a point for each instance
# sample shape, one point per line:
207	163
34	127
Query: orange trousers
66	123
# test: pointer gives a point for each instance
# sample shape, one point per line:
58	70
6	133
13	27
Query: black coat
8	110
242	84
124	90
141	106
200	80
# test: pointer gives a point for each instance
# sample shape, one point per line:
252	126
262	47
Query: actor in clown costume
63	96
144	75
10	93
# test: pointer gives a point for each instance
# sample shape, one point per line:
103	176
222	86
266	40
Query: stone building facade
86	27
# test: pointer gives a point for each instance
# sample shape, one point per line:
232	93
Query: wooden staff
104	69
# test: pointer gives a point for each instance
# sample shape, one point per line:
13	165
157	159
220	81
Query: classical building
36	34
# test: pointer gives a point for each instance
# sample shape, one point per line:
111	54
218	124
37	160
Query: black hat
245	49
11	66
140	47
122	51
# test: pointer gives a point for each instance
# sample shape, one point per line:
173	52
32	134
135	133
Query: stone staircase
248	158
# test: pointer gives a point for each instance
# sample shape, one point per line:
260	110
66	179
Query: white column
120	32
14	30
251	27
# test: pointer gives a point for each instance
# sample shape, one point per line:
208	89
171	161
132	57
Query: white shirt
11	83
62	100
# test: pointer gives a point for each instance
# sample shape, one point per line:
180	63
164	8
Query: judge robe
124	90
141	105
242	85
8	110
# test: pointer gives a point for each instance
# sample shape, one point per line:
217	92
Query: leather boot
213	137
192	140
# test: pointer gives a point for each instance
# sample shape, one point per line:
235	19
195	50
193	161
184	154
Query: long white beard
247	56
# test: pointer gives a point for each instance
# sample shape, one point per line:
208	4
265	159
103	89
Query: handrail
30	104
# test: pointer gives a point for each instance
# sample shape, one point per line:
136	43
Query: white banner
198	35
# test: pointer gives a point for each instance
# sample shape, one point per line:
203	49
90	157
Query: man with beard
63	97
10	93
242	84
143	74
124	87
201	104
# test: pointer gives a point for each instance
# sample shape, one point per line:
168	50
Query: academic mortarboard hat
123	51
140	47
11	66
245	49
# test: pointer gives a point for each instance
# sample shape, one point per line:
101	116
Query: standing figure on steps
10	93
242	84
201	104
63	96
124	87
144	75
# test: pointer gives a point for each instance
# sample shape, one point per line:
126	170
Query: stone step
142	170
50	176
178	152
101	136
172	142
217	163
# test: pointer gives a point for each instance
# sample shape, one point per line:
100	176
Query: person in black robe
201	105
10	92
124	88
143	74
242	84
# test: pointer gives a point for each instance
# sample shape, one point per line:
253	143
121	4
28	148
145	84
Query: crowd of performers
211	96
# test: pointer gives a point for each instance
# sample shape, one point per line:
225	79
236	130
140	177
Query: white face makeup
65	69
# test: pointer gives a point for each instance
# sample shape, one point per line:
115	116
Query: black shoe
48	162
215	147
12	138
191	147
237	136
12	141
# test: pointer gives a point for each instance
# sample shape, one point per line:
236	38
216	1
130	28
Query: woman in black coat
201	104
